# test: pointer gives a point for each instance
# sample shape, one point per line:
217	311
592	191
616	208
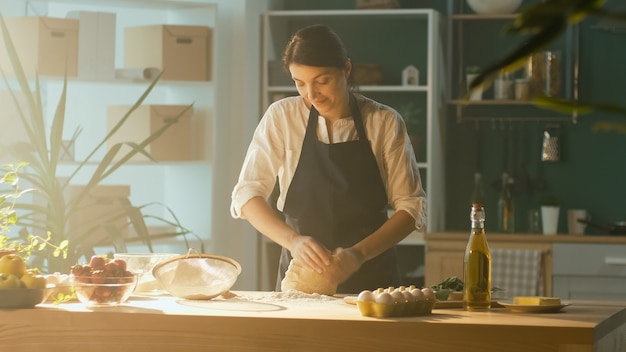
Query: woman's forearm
260	215
306	249
394	230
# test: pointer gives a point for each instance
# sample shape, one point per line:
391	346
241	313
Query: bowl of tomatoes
103	281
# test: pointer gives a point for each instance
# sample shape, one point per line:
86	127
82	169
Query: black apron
337	197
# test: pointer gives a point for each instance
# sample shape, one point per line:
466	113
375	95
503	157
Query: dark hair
315	45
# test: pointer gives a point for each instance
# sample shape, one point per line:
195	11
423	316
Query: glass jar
544	72
503	86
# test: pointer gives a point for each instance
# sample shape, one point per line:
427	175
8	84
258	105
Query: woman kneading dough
341	158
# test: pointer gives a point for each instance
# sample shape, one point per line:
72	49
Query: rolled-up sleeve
260	166
399	169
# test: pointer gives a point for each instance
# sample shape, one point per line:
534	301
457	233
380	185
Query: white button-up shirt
277	143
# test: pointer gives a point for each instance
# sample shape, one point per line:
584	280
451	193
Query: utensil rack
497	119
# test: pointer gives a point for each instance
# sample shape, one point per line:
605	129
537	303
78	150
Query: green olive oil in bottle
477	264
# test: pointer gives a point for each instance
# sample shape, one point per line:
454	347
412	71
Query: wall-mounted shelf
460	21
361	89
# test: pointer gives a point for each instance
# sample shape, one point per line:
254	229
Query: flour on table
291	296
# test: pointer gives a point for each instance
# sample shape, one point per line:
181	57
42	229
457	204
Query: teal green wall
592	170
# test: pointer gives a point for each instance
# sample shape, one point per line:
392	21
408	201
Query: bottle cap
477	213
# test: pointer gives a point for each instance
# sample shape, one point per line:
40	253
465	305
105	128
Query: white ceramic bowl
485	7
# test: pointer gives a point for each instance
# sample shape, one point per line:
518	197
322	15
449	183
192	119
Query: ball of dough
301	279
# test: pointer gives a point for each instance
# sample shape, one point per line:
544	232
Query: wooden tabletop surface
259	321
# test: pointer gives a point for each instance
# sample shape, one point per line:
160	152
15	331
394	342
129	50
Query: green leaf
609	127
56	133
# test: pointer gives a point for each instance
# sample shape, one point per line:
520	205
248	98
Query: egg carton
396	309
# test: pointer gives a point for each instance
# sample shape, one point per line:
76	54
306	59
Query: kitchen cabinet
477	40
445	252
373	39
173	183
600	276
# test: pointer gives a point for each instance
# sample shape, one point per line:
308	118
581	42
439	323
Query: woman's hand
310	254
345	262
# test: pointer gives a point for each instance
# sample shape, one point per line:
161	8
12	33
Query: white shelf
277	26
112	81
359	14
360	88
414	239
123	4
185	185
495	17
276	31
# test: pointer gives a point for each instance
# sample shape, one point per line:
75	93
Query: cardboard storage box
46	46
176	144
104	206
182	52
96	44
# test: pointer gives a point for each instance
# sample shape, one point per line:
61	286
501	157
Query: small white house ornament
410	76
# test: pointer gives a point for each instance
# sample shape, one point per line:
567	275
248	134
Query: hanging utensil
539	184
618	228
510	163
497	183
551	148
522	179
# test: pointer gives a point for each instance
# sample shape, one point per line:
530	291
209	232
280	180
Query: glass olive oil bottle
477	264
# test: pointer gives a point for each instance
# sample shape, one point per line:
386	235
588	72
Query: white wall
238	111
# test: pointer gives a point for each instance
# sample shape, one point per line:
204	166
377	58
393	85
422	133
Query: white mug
575	227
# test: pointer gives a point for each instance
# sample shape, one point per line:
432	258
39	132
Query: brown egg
428	293
398	297
408	296
418	294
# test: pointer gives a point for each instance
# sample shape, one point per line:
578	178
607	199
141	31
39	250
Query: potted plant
20	243
550	208
43	152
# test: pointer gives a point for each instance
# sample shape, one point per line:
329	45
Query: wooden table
251	322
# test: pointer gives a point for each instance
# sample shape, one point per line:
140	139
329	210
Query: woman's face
326	88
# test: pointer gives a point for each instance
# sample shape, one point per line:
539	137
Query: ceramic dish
11	298
527	308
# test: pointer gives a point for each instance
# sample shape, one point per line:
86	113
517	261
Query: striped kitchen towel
517	271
